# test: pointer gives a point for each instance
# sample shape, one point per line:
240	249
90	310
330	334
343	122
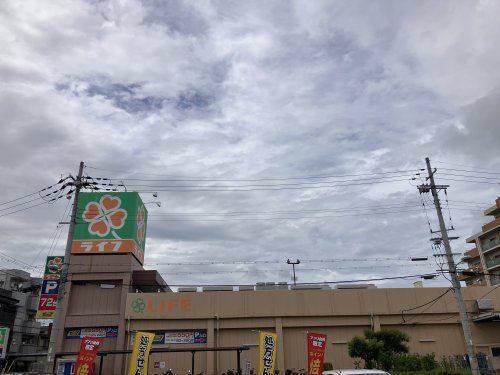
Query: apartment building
19	300
474	274
487	244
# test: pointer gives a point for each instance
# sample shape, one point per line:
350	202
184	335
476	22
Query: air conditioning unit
484	304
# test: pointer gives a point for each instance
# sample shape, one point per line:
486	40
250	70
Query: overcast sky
248	90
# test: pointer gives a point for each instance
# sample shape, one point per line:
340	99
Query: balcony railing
488	245
31	328
32	303
493	263
492	224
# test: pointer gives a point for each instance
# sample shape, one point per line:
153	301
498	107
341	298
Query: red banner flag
88	351
316	345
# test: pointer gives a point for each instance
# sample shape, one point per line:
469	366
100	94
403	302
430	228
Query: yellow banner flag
267	352
140	354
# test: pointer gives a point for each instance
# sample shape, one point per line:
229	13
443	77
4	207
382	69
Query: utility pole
56	330
293	266
453	271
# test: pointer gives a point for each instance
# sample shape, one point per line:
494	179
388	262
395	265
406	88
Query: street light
293	266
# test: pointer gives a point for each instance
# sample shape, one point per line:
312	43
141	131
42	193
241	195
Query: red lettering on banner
88	351
316	345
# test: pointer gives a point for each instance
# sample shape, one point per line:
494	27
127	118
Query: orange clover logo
105	216
54	265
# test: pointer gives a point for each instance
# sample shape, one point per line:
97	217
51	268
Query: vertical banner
88	351
50	287
267	352
140	354
4	341
316	345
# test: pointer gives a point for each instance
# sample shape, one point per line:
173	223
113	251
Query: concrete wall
234	318
341	314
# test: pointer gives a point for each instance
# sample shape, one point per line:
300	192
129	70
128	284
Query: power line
200	219
463	166
268	178
429	304
54	237
241	262
34	193
24	209
467	176
254	187
471	181
253	284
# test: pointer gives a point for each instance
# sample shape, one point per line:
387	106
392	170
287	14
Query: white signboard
179	337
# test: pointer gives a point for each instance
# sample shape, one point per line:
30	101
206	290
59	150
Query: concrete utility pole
56	330
453	273
293	266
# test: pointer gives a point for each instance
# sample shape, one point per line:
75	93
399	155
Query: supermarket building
113	296
109	294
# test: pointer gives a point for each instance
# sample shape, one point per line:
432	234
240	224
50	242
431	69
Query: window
495	351
27	340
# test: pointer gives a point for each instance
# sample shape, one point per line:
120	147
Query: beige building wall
341	314
88	305
234	318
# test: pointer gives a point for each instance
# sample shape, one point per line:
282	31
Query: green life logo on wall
109	223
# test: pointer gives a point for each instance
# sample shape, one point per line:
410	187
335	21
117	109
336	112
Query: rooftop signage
110	223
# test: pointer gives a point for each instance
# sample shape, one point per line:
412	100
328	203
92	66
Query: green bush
413	362
378	348
327	366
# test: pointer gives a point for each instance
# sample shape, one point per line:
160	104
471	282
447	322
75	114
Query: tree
365	348
378	348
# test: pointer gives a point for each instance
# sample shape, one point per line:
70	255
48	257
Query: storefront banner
267	352
177	337
140	353
88	351
181	337
4	341
47	303
316	345
78	333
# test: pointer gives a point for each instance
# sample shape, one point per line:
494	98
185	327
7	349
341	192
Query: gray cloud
199	90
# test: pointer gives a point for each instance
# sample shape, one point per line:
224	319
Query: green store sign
108	223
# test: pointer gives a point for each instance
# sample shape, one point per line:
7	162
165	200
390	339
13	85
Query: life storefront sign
4	341
140	353
110	223
88	351
267	352
316	345
47	303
